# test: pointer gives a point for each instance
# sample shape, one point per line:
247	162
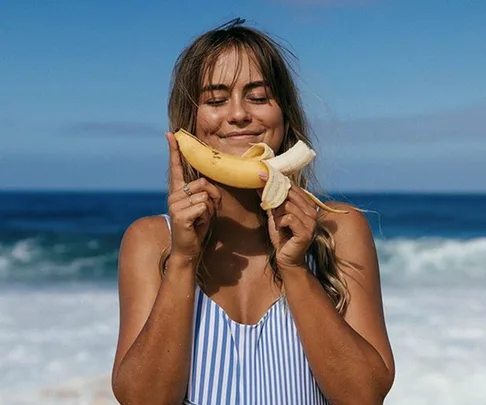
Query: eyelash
215	103
219	102
260	100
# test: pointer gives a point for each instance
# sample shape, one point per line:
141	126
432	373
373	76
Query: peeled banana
243	171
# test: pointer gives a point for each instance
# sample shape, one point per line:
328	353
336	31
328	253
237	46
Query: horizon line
164	191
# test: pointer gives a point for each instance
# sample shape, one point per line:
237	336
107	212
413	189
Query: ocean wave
427	260
433	261
35	259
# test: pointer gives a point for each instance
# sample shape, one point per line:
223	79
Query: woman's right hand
190	214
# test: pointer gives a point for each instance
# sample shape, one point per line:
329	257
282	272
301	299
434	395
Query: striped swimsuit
238	364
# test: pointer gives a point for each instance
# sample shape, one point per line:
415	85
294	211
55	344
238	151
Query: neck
239	225
239	204
238	240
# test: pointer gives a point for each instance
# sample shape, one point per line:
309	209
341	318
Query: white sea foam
438	337
63	335
58	345
28	260
58	341
23	250
431	261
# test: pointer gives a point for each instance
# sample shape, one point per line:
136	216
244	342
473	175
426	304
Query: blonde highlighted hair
195	63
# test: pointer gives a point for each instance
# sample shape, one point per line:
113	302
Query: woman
249	307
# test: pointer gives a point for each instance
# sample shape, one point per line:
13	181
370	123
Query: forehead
230	67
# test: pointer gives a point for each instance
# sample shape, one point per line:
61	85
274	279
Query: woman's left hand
292	227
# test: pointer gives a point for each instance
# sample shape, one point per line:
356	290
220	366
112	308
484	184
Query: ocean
59	303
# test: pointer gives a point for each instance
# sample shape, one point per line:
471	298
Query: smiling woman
222	302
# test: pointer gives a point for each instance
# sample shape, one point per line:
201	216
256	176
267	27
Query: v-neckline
247	325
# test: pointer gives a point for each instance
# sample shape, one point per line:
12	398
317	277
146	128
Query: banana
243	171
224	168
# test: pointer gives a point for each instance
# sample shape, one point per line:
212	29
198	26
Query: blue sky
395	90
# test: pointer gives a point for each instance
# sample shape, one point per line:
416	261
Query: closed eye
259	100
215	102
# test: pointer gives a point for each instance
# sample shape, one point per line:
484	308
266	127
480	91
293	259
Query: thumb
176	171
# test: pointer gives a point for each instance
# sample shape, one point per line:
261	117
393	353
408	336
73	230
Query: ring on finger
186	189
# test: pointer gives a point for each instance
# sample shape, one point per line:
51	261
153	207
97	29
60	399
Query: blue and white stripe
238	364
260	364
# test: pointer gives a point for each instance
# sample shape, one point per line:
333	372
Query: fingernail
263	176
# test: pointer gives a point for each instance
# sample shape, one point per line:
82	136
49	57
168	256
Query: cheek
275	119
279	120
208	121
273	116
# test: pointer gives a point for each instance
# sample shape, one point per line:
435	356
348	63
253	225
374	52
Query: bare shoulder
142	245
348	228
149	233
354	244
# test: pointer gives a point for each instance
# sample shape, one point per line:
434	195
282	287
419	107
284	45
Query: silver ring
186	189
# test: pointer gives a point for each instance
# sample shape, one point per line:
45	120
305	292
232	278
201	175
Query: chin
236	150
233	146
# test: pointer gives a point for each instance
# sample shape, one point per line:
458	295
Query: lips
243	134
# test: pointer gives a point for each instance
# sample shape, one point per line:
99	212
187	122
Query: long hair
195	63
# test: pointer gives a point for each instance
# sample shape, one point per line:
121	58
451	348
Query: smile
243	135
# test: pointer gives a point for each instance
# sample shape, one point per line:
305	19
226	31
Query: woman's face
236	108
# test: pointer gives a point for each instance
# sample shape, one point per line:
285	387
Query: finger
192	214
298	228
289	221
271	219
197	186
300	199
176	181
205	212
213	191
184	213
194	199
203	184
290	208
203	197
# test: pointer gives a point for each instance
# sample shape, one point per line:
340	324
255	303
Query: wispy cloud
466	124
424	152
93	128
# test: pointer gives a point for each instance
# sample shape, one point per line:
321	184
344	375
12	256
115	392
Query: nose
238	113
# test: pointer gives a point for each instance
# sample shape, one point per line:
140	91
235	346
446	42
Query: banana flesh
296	158
243	171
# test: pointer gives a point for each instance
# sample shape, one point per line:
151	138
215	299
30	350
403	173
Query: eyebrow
248	86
